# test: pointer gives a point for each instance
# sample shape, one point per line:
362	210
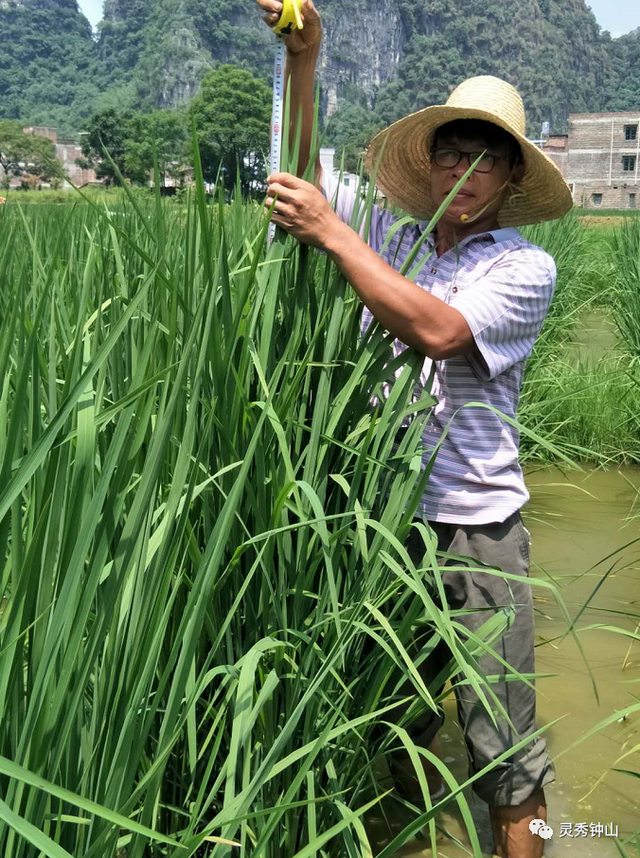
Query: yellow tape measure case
290	19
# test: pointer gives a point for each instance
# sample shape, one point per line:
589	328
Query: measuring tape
290	20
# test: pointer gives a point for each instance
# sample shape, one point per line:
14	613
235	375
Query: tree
232	116
350	129
48	64
26	154
128	139
403	55
164	131
106	139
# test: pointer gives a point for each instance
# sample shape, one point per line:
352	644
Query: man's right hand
300	40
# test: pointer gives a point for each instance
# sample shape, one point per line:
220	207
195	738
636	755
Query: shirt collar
498	235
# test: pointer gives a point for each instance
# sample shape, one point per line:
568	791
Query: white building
349	180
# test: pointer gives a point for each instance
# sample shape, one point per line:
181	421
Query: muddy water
595	339
576	521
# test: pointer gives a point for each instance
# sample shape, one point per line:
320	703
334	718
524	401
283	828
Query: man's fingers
286	179
273	6
283	193
282	221
280	213
273	10
280	208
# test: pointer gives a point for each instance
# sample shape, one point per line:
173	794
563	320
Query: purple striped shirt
503	286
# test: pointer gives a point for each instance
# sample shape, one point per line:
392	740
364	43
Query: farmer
476	310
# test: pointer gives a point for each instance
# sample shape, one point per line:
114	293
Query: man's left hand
301	210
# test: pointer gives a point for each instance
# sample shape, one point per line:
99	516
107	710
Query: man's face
480	189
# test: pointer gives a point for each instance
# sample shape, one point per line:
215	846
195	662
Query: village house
600	159
67	151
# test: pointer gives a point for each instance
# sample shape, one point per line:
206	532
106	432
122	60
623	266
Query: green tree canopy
107	133
350	130
128	139
48	64
232	116
163	132
401	55
23	154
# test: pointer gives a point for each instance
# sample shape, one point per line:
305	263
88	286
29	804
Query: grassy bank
608	213
63	197
582	385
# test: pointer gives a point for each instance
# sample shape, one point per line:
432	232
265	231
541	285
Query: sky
92	9
617	16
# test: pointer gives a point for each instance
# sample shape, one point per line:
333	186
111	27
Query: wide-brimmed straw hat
404	169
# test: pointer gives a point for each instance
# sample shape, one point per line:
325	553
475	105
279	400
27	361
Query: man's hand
299	40
302	210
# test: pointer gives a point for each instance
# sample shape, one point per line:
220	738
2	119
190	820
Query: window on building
632	201
628	163
597	199
630	132
345	181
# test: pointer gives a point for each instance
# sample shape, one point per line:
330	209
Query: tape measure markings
289	19
276	116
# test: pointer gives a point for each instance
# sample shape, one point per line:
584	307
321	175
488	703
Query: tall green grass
625	248
587	406
207	615
96	194
591	411
579	262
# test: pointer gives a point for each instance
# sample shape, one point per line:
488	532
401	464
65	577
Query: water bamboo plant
207	614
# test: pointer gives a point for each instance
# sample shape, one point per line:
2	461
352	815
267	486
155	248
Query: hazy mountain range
388	56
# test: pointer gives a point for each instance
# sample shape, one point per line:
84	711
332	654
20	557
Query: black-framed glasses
448	158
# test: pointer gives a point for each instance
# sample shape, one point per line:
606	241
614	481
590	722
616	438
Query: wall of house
621	196
602	164
556	148
67	152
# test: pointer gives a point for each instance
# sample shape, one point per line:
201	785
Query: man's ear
517	174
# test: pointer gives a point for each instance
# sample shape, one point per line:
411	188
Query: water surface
576	521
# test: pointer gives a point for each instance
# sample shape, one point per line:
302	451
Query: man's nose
459	171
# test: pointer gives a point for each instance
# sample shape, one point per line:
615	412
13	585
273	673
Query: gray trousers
505	546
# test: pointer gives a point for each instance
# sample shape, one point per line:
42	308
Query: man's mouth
461	193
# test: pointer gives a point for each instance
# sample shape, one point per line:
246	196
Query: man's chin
456	214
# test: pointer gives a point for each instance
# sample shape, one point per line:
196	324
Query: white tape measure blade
277	116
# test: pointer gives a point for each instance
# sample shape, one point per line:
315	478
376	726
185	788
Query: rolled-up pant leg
506	547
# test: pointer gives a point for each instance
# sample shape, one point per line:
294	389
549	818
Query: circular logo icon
545	832
535	825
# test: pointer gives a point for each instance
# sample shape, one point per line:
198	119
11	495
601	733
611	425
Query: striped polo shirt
503	286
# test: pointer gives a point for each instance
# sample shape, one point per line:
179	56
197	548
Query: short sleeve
343	200
505	309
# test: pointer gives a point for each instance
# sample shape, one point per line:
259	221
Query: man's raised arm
303	49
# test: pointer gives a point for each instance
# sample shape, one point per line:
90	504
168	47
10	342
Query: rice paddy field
208	618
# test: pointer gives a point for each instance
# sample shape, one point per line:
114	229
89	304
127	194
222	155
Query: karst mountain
388	56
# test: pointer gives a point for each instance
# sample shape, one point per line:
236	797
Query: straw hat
404	170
